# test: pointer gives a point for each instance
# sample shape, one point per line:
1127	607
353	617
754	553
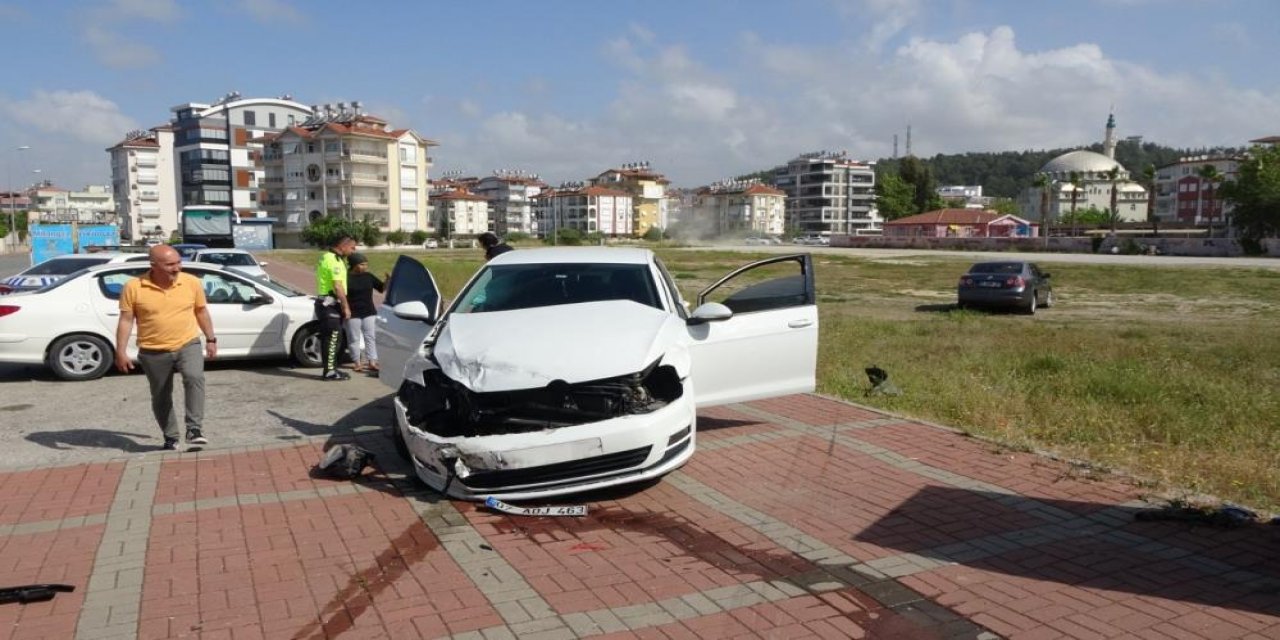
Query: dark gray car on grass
1008	284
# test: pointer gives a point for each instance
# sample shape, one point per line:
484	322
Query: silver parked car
1009	284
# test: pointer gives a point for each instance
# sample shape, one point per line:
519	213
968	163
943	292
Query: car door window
672	290
219	289
411	281
777	283
111	284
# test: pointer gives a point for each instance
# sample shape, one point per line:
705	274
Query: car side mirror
709	312
260	299
1045	275
263	264
413	310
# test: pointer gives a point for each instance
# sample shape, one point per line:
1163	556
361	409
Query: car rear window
996	267
228	259
63	266
525	286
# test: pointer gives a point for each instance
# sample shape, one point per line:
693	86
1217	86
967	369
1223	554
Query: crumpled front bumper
556	461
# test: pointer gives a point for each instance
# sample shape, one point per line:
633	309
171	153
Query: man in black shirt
492	245
362	325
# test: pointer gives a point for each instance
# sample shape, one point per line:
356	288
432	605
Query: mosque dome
1087	163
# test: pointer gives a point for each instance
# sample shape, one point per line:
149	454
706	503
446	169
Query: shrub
370	235
570	237
418	236
324	231
398	236
517	236
654	234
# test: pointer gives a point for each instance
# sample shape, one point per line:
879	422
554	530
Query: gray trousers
160	367
362	339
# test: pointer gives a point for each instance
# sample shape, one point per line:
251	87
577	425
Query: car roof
553	255
206	266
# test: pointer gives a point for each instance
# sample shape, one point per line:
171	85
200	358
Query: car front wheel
307	347
1030	309
80	357
1048	299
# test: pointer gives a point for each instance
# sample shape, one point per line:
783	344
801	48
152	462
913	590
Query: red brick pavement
364	564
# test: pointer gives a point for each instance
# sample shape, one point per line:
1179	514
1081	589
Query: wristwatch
213	339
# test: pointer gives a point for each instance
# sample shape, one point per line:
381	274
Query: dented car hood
530	348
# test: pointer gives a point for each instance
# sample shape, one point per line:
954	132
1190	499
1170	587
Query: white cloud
272	11
115	51
156	10
82	116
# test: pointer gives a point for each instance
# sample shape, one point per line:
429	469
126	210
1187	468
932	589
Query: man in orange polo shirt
171	313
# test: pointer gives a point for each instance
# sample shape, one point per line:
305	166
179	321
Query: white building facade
587	209
1092	188
346	164
94	203
827	192
462	213
511	195
217	148
743	206
142	182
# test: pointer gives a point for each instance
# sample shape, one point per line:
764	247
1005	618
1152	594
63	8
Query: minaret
1109	142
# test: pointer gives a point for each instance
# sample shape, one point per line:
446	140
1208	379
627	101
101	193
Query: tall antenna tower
895	146
908	139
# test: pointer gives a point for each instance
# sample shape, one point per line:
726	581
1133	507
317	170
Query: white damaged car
557	371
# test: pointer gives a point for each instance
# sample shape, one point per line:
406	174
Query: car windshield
63	266
228	259
525	286
996	267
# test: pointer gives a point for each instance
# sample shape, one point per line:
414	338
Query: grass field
1170	373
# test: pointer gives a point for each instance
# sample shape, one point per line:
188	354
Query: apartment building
648	194
1184	194
343	162
586	208
217	148
461	213
827	192
738	206
143	183
50	203
511	195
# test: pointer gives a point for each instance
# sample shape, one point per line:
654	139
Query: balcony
148	161
148	177
368	178
365	155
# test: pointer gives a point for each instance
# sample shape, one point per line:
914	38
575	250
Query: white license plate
572	511
988	284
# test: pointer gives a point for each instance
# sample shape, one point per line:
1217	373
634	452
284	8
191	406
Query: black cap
356	258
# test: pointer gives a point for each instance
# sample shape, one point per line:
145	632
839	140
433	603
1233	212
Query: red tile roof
948	216
760	189
1267	140
459	194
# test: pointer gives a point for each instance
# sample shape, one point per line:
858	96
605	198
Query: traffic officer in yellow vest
332	308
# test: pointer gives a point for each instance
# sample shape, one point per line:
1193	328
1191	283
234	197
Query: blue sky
703	90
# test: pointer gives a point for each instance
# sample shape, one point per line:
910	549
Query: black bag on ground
344	462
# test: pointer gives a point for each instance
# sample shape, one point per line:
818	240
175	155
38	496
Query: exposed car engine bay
446	408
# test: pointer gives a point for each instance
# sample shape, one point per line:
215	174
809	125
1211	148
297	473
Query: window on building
271	120
311	147
250	118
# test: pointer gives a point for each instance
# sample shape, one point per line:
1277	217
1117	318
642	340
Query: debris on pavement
1226	515
344	462
33	592
576	511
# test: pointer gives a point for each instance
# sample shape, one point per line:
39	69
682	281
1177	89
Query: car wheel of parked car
1048	300
1030	309
306	347
80	357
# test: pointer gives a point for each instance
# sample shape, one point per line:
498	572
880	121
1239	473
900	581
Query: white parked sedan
557	371
237	259
59	267
70	326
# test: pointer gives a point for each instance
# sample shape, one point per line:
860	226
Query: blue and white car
557	371
55	269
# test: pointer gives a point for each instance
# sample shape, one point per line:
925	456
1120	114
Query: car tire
1048	299
80	357
1030	309
306	348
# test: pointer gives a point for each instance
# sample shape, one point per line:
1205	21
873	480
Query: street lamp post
13	202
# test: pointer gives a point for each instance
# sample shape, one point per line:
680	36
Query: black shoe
195	437
170	444
336	375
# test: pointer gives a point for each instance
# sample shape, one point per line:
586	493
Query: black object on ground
33	592
344	462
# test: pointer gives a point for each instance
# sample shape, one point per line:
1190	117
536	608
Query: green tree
324	231
418	237
1006	206
1044	183
1113	175
1255	194
445	228
1209	177
1149	181
654	234
1088	217
916	173
397	236
1075	190
894	197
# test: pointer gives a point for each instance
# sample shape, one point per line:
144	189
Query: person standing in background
171	311
332	306
362	325
493	247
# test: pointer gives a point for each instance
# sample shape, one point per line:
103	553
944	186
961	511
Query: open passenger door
410	309
769	345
